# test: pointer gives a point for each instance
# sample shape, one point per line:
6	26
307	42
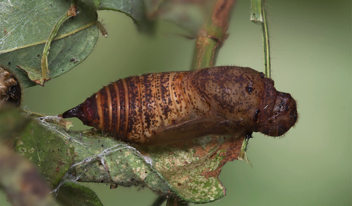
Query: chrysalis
166	107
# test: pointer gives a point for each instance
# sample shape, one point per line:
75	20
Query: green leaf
33	74
19	178
132	8
92	3
26	25
72	194
102	159
189	15
47	148
11	122
190	171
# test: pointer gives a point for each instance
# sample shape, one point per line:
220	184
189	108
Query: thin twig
258	15
175	201
266	43
44	61
159	201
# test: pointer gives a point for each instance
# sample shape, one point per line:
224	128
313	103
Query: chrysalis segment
134	123
166	107
122	104
114	107
103	109
151	113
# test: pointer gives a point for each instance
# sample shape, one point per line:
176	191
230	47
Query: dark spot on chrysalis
248	136
282	104
249	87
256	115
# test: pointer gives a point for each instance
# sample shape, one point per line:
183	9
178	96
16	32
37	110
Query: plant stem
258	15
266	44
256	11
174	201
159	201
44	61
212	35
210	38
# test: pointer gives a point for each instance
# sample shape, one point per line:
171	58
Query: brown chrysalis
173	106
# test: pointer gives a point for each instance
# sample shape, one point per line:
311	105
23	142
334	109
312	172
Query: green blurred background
311	59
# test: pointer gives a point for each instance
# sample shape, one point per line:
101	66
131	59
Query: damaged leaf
189	170
46	148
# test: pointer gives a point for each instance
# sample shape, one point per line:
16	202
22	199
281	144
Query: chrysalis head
278	111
